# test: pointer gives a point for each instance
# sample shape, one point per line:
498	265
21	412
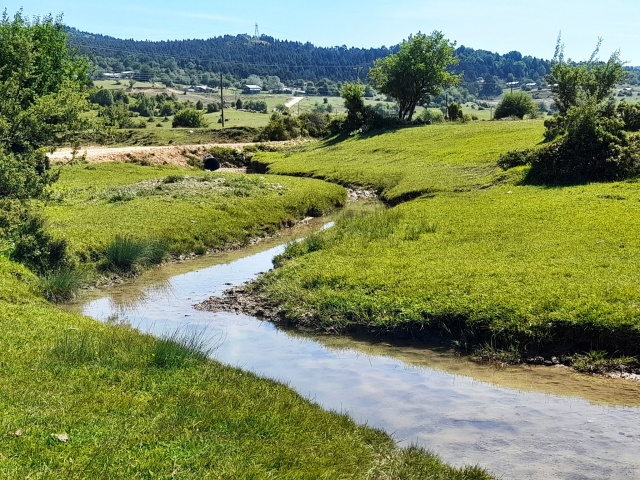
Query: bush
29	242
189	118
314	124
630	115
337	125
229	156
595	148
280	128
454	112
102	97
256	105
430	116
516	158
516	104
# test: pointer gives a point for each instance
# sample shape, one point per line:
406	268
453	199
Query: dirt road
176	155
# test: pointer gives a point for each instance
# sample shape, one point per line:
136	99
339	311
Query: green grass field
413	161
480	258
190	210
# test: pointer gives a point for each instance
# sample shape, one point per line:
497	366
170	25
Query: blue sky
530	27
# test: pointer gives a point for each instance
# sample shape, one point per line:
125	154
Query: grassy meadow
480	258
410	162
188	210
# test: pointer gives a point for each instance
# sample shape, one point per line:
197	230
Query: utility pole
221	100
358	69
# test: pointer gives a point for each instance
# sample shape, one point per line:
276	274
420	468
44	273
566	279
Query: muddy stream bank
518	422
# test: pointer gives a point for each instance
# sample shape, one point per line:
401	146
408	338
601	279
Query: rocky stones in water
242	300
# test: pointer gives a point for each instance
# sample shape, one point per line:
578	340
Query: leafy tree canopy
42	88
41	83
417	71
189	118
589	82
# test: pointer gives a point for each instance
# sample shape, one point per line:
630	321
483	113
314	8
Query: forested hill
201	61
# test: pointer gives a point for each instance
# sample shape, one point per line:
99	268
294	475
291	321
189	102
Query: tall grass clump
367	227
178	349
126	254
76	347
62	284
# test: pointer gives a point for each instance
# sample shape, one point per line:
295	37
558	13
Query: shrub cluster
516	104
283	126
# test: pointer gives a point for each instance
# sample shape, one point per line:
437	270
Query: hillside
197	61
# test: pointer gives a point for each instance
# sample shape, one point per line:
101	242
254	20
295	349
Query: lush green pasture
484	260
413	161
190	210
80	399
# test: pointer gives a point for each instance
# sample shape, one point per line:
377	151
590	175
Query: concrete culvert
211	163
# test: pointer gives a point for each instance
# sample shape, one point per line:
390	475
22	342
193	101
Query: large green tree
353	95
418	70
41	83
42	90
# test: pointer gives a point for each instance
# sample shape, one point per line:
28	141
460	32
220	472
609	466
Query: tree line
194	62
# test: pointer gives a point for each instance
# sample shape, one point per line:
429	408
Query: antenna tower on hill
257	34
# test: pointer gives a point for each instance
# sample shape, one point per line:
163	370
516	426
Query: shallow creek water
524	422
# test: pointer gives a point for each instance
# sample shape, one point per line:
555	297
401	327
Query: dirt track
176	155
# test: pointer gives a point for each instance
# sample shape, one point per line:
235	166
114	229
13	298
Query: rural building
205	89
251	89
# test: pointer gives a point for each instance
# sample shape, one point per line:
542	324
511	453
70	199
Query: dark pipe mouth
210	163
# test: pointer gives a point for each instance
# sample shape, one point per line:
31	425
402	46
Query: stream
517	422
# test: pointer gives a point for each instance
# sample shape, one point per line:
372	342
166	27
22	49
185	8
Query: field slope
481	258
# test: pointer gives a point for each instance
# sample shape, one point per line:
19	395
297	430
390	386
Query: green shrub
255	105
516	104
595	148
430	116
189	118
630	115
280	128
230	156
454	112
516	158
315	124
28	240
337	125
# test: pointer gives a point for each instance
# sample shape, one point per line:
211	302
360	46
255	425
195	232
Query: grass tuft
181	348
62	284
76	347
126	254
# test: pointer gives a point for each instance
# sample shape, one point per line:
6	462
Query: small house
251	89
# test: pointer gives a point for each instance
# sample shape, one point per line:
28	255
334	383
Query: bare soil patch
168	155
